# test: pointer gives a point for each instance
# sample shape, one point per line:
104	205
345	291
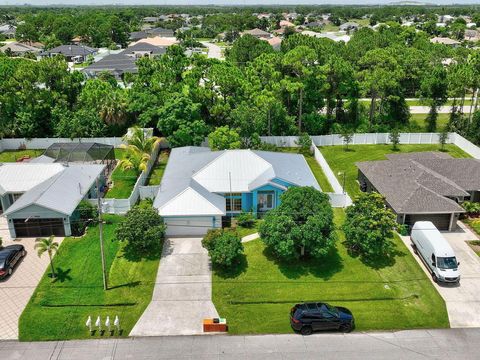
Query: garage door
194	226
441	221
39	227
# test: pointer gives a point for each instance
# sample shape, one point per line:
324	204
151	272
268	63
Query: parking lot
463	301
15	291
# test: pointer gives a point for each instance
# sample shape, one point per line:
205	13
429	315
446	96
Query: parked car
436	252
9	257
309	317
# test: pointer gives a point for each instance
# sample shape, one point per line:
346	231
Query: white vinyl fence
121	206
44	143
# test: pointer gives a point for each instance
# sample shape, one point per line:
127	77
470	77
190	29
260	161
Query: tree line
312	85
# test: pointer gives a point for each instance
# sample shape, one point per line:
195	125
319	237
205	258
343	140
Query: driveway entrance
16	290
182	297
463	301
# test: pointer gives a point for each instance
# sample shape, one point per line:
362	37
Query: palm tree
135	160
49	246
140	141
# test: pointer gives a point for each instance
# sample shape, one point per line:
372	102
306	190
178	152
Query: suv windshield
447	263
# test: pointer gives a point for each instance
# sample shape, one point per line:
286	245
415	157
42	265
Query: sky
220	2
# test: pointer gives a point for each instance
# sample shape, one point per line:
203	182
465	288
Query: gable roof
423	182
197	174
61	192
72	50
18	47
22	177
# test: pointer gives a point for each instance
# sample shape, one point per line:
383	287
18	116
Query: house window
233	204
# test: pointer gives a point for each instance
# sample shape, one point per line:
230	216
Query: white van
436	252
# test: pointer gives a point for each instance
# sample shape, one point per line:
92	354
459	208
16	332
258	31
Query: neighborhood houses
263	172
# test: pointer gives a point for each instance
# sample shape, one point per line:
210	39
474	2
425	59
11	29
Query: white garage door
191	226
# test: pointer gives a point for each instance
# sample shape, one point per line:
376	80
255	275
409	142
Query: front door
265	201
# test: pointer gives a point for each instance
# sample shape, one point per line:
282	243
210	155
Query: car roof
7	250
313	307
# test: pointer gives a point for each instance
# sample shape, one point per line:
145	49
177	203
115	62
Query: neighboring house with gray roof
19	49
258	33
425	186
125	61
72	53
349	26
200	186
8	31
41	199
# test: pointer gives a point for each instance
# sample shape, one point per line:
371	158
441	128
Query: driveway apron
182	297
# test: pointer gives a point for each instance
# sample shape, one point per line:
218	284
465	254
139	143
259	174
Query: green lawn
417	102
315	167
243	231
123	183
58	310
156	174
341	160
418	122
13	155
257	297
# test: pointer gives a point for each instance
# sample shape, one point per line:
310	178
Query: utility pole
100	229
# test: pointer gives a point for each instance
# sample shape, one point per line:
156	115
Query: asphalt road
415	344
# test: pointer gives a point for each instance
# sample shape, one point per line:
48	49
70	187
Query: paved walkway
15	291
250	237
441	110
182	297
463	301
448	344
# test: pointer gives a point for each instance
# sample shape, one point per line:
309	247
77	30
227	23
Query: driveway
15	291
182	297
214	51
463	301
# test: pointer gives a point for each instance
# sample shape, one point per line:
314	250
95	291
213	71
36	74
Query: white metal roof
62	192
189	202
21	177
233	171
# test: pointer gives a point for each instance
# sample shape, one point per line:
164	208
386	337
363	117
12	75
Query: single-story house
19	49
445	41
41	199
162	32
258	33
125	61
425	186
72	53
349	26
138	35
200	187
8	31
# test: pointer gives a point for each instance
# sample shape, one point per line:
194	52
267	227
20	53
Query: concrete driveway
214	51
463	301
182	297
15	291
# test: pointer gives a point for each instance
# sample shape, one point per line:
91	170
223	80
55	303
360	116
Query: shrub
224	247
394	138
304	142
472	208
301	226
142	228
246	219
369	226
87	213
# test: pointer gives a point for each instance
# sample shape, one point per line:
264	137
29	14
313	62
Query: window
233	204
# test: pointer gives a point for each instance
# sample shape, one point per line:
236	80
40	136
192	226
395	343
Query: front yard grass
315	167
244	231
13	155
59	309
418	122
341	160
257	297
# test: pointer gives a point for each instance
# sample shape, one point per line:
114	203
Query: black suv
310	317
9	257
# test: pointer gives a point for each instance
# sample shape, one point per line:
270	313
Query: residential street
414	344
182	297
